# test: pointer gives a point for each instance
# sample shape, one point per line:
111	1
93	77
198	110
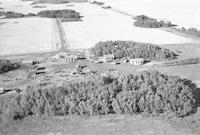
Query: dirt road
60	41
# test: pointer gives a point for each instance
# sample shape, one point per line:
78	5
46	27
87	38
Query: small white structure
137	61
108	58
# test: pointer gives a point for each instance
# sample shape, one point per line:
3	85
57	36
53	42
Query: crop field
182	12
100	25
26	35
26	7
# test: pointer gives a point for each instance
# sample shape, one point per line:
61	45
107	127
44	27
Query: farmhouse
137	61
108	58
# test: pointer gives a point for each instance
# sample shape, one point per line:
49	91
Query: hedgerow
146	93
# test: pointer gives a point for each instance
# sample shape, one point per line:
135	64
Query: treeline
57	1
66	13
97	3
148	93
147	22
11	14
189	31
182	62
133	49
6	65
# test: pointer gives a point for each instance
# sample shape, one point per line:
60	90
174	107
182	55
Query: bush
6	65
70	14
147	92
132	49
147	22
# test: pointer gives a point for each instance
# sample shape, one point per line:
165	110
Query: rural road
61	41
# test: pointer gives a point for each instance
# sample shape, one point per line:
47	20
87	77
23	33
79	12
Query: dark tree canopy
66	13
147	22
133	49
149	93
11	14
6	65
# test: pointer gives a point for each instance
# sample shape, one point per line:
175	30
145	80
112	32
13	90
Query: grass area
191	72
103	125
184	51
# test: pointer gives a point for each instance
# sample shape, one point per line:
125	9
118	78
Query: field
180	12
21	36
100	25
188	50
